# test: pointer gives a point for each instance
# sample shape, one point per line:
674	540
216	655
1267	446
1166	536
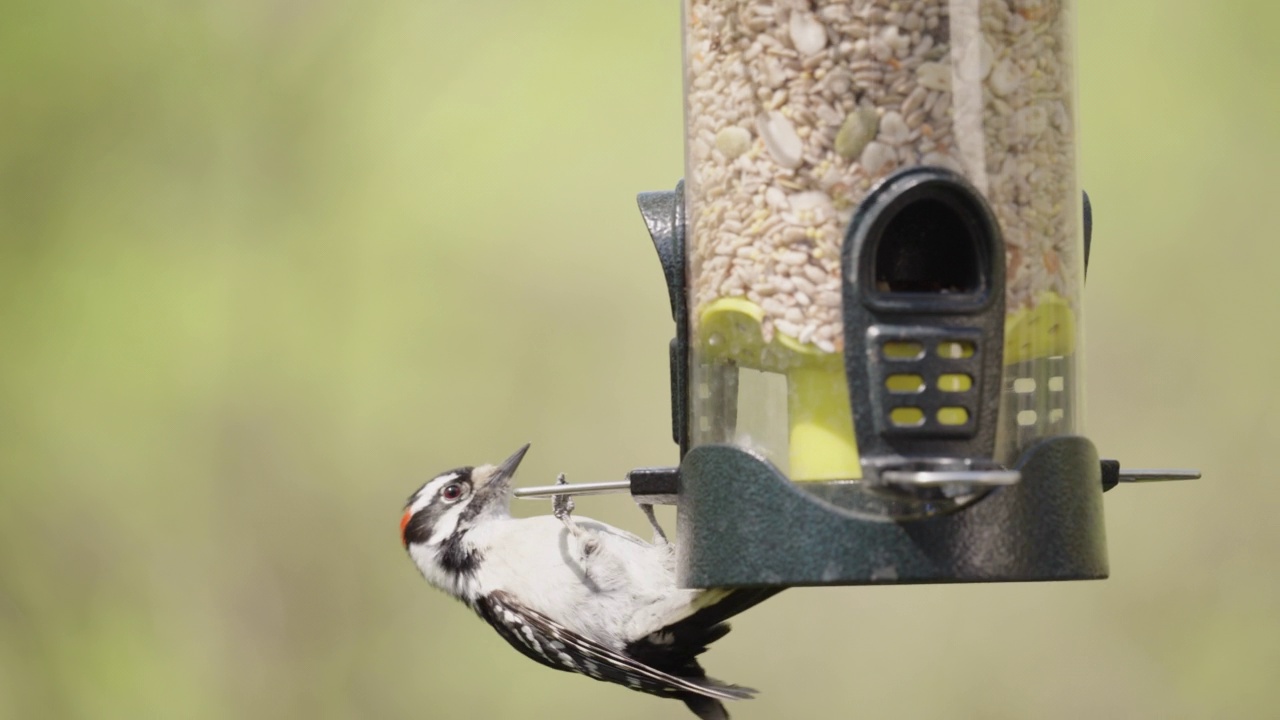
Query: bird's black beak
493	484
501	477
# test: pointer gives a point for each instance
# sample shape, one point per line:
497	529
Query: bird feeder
876	266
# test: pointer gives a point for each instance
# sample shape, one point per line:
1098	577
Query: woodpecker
569	592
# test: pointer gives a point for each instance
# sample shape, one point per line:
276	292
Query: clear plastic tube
794	112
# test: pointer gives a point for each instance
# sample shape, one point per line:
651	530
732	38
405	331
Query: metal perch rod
595	488
1158	474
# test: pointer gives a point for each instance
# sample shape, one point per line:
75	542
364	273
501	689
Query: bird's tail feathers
706	708
713	688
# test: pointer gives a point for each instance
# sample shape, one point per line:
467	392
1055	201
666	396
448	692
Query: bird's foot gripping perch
562	505
648	486
562	508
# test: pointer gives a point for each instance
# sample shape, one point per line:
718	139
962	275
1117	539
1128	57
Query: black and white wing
550	643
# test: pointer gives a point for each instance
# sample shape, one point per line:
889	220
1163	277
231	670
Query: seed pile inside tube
796	109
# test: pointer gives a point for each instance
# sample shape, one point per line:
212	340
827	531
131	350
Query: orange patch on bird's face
404	522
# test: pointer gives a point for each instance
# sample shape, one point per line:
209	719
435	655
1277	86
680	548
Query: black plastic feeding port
926	241
923	261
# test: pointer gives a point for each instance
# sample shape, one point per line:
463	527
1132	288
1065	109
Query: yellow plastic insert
1046	329
820	422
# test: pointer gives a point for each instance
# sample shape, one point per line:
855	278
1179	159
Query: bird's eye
451	492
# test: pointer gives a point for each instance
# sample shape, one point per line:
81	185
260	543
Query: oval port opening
903	383
928	247
903	350
955	349
925	241
955	382
904	417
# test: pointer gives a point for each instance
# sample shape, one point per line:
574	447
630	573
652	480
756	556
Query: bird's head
453	502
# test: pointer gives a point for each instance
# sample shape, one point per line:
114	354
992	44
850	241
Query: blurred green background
267	265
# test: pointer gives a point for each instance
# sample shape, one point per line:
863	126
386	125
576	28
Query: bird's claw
659	537
562	505
562	508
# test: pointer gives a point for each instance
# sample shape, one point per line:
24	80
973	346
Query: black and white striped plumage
571	593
